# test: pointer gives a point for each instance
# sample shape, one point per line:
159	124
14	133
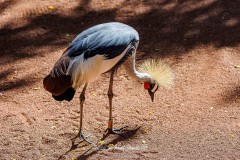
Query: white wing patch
86	70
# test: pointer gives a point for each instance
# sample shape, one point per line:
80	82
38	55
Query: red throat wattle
146	86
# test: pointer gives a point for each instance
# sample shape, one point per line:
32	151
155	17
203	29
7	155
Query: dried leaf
111	145
36	88
101	142
150	113
51	8
145	131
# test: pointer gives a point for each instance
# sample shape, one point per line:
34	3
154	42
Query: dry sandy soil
198	119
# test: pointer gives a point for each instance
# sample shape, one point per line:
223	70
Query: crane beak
151	95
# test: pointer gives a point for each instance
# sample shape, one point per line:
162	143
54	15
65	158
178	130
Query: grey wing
109	39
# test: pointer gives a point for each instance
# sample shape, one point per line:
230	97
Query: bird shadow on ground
73	147
127	134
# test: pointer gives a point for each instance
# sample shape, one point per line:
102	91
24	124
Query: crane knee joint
110	94
82	97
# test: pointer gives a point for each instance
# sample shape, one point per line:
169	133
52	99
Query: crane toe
84	137
117	131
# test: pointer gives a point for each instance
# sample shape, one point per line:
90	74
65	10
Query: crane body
97	50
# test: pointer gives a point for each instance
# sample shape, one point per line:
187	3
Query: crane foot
85	138
115	131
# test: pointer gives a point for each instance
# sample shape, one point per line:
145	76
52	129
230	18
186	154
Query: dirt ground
198	119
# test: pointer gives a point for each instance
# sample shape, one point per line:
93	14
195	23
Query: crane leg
110	129
82	99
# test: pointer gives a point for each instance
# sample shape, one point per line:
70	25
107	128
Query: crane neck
142	76
130	68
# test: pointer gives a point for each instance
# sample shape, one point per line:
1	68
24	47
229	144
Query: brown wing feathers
57	82
57	85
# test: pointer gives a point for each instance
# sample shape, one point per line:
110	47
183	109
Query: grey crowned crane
97	50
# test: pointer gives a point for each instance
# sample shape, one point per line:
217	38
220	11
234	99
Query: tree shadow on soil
166	28
172	28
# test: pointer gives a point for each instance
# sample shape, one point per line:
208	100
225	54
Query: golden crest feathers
160	72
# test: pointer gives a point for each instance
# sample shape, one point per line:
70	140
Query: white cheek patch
154	89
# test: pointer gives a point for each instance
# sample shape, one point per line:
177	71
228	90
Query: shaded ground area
198	119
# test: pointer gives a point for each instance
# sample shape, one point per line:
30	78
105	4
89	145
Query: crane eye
153	87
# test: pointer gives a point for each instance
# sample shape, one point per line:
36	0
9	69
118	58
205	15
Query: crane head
160	75
152	88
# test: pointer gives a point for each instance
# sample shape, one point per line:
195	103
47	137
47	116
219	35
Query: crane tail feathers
67	95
